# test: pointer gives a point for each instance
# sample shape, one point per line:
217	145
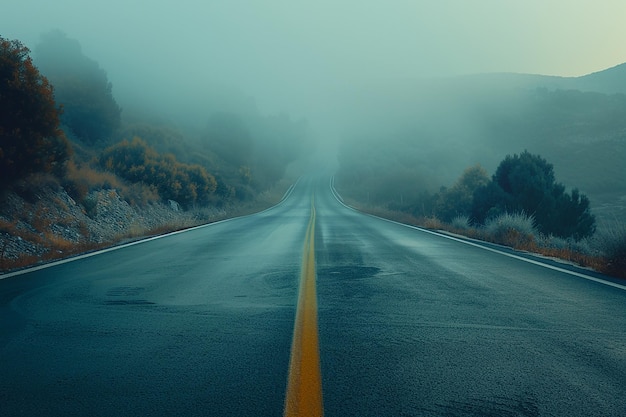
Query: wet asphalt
410	324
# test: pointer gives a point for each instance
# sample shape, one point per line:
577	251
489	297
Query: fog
298	56
352	69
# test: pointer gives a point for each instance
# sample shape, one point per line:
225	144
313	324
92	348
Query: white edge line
466	242
137	242
101	251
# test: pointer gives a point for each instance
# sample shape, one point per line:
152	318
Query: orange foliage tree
30	138
135	161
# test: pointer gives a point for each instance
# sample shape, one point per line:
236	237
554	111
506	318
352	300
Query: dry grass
515	239
511	237
8	226
595	262
21	262
433	223
57	243
82	178
55	248
612	243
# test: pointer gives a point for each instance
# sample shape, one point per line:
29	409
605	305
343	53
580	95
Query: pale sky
289	53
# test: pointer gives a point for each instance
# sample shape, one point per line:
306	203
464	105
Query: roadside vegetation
407	163
48	225
605	252
520	206
62	131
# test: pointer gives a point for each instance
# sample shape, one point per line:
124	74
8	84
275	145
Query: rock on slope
48	223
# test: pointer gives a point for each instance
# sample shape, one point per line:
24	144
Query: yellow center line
304	385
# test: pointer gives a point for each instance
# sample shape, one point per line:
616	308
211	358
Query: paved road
410	324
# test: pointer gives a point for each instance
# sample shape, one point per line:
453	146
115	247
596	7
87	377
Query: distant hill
609	81
421	135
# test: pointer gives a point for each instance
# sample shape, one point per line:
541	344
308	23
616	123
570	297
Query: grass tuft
612	244
460	223
512	229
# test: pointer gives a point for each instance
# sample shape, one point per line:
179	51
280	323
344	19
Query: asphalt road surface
409	323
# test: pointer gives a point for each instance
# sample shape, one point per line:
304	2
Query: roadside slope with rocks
46	223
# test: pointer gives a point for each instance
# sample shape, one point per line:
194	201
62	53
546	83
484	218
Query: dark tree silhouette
526	183
81	86
457	201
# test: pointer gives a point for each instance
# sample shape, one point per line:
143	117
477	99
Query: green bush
458	200
612	244
526	183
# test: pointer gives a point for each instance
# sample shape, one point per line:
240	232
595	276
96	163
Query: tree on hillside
81	87
526	183
30	138
457	201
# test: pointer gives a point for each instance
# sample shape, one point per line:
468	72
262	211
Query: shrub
81	179
612	244
565	244
460	222
163	139
137	162
457	201
433	223
526	183
513	229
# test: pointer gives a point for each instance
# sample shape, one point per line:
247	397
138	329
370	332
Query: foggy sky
296	56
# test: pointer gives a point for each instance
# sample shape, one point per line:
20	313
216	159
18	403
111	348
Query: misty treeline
437	129
59	117
81	87
522	184
428	161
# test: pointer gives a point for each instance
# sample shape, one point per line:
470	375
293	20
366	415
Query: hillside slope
46	223
418	137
